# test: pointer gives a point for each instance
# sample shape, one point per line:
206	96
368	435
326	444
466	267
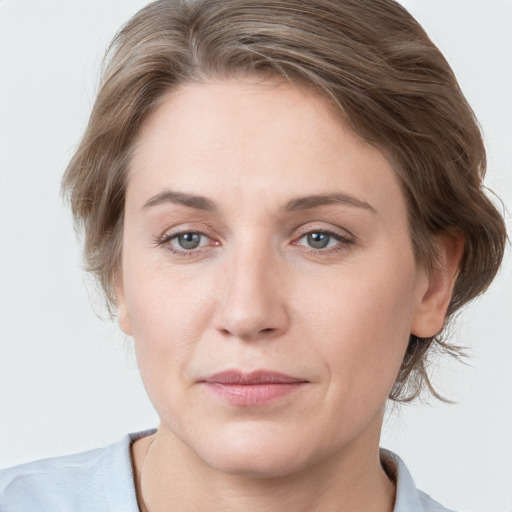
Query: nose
252	304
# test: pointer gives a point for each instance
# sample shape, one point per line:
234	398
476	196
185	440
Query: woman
283	204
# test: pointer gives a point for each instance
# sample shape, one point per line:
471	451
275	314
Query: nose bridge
251	305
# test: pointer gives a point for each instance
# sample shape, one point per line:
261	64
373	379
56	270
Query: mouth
252	389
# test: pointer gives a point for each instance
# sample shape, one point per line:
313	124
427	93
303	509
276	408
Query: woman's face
268	278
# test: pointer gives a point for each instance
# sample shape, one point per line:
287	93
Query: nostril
250	310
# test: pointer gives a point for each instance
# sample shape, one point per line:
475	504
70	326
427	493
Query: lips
252	389
251	379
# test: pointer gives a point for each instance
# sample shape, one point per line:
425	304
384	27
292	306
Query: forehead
237	138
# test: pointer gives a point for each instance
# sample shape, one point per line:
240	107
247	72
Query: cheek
168	315
361	323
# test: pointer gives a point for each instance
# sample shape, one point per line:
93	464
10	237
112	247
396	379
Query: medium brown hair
370	58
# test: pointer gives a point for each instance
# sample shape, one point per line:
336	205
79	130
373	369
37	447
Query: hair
371	59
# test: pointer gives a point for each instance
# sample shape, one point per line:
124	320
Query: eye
321	241
188	241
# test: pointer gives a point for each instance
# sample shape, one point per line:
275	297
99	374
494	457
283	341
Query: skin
257	295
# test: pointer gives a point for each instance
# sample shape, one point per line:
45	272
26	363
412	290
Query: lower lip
251	395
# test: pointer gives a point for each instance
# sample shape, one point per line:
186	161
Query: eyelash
343	242
165	241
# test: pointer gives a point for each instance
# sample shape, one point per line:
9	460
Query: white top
101	480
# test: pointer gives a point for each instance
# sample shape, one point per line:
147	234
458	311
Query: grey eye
318	240
189	240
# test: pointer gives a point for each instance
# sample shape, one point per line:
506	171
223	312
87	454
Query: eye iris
189	240
318	240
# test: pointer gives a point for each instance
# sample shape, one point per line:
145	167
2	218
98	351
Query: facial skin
260	292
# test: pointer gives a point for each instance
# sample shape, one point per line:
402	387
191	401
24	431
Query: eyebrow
314	201
300	203
192	201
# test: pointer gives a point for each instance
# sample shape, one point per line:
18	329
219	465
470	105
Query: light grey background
68	379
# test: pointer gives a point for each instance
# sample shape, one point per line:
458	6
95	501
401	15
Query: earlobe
123	318
431	309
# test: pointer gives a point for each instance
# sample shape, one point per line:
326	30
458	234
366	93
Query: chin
256	454
256	464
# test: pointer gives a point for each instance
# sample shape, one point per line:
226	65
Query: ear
123	318
430	313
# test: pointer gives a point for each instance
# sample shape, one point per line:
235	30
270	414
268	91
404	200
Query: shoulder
96	480
408	496
58	483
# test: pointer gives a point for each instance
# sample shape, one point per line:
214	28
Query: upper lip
238	377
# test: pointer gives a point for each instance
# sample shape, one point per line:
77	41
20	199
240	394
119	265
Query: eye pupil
189	240
318	240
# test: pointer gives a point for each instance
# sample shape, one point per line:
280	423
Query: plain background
68	379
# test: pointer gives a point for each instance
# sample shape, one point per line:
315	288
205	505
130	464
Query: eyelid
337	232
187	227
165	239
340	238
344	240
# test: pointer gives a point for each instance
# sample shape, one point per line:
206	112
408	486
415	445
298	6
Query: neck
170	477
